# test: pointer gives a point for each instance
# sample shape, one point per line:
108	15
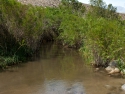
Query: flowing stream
58	70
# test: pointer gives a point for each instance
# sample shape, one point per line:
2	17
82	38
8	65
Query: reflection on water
55	87
57	71
61	87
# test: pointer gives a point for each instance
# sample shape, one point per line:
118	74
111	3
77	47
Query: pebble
123	87
97	69
110	87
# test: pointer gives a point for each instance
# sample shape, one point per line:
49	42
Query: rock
96	69
112	70
111	88
115	70
76	89
113	64
107	86
109	69
123	72
123	87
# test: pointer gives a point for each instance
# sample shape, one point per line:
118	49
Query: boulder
115	70
113	67
113	63
112	70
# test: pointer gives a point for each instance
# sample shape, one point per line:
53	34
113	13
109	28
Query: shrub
72	30
100	9
104	40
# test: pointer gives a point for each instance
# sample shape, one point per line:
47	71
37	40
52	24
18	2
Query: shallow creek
58	70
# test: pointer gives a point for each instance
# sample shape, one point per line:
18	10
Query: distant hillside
53	3
50	3
87	6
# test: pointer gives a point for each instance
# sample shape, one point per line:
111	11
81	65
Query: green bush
121	65
100	9
72	30
7	61
104	40
73	7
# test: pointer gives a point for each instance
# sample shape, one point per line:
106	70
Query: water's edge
57	71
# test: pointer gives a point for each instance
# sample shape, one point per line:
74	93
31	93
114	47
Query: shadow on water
57	70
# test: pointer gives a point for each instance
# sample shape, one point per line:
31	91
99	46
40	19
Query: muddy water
58	71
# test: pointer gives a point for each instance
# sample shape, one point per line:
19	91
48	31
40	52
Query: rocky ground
50	3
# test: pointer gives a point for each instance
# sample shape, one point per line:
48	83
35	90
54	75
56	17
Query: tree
100	9
74	6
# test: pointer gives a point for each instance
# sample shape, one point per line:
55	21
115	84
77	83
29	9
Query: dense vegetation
99	33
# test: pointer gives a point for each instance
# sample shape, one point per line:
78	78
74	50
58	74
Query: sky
120	4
